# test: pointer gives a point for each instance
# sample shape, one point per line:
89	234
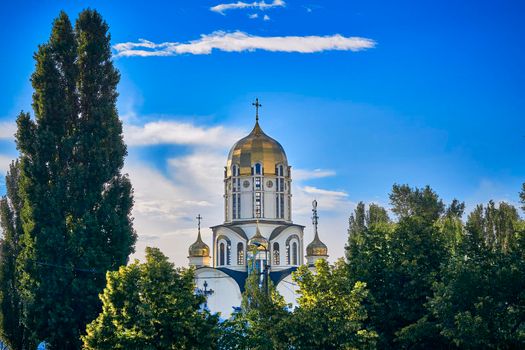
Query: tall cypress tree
76	203
12	332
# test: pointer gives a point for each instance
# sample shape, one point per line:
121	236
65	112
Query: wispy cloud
261	5
180	133
239	42
266	18
5	160
303	174
7	130
253	16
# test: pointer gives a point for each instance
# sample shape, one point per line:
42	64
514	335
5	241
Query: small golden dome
258	241
199	248
316	248
256	147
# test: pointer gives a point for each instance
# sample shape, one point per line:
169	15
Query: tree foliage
479	301
399	262
12	332
76	204
151	306
331	314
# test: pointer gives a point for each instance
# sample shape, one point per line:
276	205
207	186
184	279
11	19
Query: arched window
276	254
279	170
240	253
221	255
294	253
224	250
257	169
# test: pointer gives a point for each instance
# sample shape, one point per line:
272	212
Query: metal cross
199	218
207	292
257	105
315	217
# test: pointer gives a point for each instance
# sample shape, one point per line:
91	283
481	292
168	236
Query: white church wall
226	293
234	239
288	289
281	239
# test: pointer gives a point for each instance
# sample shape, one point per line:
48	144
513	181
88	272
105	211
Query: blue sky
432	94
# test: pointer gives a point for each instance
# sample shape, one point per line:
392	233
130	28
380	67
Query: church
258	232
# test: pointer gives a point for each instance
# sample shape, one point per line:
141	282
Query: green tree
363	218
12	331
479	301
151	306
331	313
76	203
424	203
399	263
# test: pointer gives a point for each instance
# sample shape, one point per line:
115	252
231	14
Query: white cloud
4	164
173	132
261	5
266	18
239	42
303	174
7	130
321	192
253	16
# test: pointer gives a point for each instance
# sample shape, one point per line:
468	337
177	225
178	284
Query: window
258	205
294	253
224	250
240	254
257	169
236	189
276	254
292	250
221	254
257	183
280	187
235	170
236	205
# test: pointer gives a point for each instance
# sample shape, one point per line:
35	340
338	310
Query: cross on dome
257	105
199	218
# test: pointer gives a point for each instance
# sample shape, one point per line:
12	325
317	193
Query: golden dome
316	248
256	147
258	241
199	248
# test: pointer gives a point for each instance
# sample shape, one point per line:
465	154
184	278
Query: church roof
256	147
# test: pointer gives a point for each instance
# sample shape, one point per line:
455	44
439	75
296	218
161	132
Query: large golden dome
256	147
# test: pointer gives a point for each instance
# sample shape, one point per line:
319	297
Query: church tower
258	231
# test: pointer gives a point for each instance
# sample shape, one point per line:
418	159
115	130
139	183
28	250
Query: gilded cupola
258	241
199	249
316	249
